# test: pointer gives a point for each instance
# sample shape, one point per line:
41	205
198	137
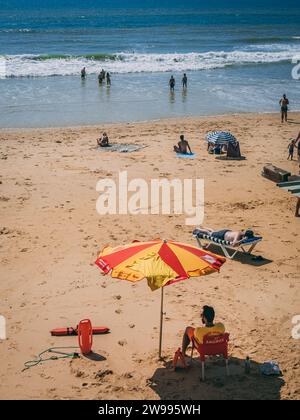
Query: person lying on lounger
183	146
232	236
103	141
207	316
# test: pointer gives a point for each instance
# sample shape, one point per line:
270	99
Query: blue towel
186	155
249	240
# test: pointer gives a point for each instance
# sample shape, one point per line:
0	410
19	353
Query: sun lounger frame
228	250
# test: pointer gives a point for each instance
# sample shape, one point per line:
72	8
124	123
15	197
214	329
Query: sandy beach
50	235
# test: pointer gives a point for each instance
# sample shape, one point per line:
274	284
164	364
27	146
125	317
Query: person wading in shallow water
172	84
83	73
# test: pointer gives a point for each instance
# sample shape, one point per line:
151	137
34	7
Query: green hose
62	355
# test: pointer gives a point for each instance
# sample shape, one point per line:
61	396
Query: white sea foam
35	66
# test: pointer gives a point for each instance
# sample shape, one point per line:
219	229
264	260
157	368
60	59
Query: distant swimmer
103	141
183	146
184	81
108	79
100	78
284	102
83	73
172	83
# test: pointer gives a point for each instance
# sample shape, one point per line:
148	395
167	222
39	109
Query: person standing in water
184	81
83	73
284	102
172	83
100	78
108	79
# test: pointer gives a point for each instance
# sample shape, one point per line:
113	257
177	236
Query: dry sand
51	234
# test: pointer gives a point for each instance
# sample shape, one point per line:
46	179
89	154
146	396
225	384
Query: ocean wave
62	65
17	30
268	39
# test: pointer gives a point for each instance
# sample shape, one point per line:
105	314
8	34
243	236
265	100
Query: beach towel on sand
186	155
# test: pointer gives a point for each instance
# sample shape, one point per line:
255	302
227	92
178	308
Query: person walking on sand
172	83
183	146
284	102
207	317
83	73
108	79
291	148
184	81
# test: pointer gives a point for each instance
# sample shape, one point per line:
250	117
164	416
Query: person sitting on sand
103	141
183	146
232	236
207	317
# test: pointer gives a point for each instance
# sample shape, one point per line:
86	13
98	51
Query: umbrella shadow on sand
186	384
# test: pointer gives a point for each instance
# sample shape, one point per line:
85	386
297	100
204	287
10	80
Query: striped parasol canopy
220	137
161	262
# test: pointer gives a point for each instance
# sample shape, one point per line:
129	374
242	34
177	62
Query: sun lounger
228	249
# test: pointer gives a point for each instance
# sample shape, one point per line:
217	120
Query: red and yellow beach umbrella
161	262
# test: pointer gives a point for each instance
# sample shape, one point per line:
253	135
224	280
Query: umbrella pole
161	321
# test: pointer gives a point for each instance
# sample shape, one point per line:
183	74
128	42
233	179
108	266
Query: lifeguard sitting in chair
208	340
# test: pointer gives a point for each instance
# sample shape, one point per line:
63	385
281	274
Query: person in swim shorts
183	146
232	236
291	148
284	102
172	84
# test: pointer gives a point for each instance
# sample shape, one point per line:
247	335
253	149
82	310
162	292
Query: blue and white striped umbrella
220	137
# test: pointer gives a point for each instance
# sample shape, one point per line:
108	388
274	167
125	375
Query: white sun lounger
246	245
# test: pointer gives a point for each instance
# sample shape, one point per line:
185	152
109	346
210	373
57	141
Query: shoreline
154	121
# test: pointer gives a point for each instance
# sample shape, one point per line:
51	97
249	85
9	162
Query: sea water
238	58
